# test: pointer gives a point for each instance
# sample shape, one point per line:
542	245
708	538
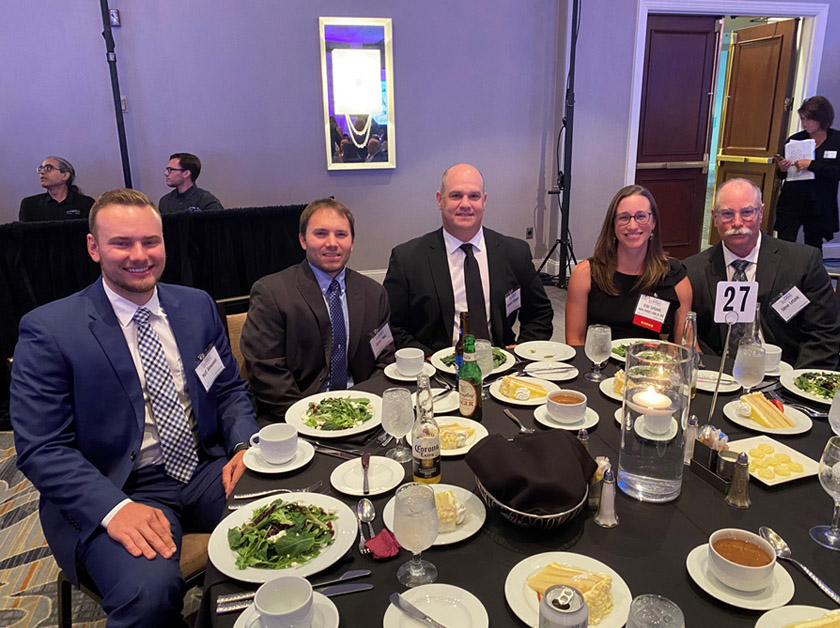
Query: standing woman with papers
811	168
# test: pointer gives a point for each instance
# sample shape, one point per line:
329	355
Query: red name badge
650	312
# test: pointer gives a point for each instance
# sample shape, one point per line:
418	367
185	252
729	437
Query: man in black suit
291	346
811	338
464	267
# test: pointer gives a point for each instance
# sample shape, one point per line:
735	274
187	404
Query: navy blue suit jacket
77	407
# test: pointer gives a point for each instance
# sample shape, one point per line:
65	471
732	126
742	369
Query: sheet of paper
799	149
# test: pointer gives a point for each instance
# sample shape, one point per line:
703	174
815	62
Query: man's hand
232	471
142	530
802	164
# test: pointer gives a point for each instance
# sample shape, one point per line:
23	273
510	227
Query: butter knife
333	452
412	611
346	450
338	589
228	598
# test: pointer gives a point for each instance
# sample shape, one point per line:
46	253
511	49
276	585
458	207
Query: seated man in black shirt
62	200
181	173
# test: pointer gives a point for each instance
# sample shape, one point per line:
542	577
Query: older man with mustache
811	337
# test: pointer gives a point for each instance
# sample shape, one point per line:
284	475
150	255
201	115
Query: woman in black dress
628	265
812	203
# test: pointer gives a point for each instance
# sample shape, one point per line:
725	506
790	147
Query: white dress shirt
455	256
324	280
752	258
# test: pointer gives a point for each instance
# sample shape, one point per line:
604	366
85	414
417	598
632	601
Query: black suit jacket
286	336
812	338
423	303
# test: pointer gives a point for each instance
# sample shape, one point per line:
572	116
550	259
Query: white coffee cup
409	361
285	602
772	357
566	406
277	443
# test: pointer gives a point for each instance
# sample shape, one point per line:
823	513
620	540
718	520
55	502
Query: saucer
392	372
589	420
255	462
783	367
325	613
641	429
778	593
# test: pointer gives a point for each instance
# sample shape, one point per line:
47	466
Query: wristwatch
240	447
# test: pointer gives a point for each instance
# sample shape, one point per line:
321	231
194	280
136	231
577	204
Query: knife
365	467
346	450
249	595
334	452
412	611
339	589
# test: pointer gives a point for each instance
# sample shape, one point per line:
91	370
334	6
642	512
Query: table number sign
736	298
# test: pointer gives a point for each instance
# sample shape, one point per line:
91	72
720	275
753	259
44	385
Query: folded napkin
384	544
540	474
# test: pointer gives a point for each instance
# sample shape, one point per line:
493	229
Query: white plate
640	428
626	341
295	414
437	360
535	369
710	378
778	592
480	432
325	614
224	558
383	475
523	600
476	514
542	350
801	422
534	401
606	387
392	372
809	465
783	367
787	380
446	403
450	605
619	416
787	615
590	420
255	462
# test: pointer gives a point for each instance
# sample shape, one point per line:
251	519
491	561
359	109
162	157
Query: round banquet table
648	549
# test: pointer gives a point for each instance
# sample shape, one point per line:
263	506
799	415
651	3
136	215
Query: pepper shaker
583	437
607	517
738	495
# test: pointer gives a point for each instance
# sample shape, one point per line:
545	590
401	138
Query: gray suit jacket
812	338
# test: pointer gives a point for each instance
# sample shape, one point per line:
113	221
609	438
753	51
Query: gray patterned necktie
740	266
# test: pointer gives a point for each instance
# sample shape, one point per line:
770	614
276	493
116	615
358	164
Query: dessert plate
480	432
706	382
476	514
555	371
550	387
801	422
787	615
445	603
542	350
606	387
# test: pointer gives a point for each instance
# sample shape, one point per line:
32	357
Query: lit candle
651	400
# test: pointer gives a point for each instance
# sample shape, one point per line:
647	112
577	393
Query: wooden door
756	109
672	159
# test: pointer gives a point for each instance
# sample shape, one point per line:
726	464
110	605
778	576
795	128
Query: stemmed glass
829	473
397	420
749	366
834	413
416	528
484	358
597	348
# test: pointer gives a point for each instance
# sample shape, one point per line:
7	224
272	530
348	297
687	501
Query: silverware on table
367	513
363	550
412	611
365	468
346	450
443	382
387	441
522	428
338	589
782	550
335	454
272	491
249	595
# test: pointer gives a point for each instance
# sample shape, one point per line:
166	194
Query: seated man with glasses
810	337
62	200
181	173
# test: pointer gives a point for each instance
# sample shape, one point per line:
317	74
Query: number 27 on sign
735	301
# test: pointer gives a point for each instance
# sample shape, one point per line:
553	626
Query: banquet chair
193	563
233	313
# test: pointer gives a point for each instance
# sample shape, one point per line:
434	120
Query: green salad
499	358
819	384
338	413
281	535
621	350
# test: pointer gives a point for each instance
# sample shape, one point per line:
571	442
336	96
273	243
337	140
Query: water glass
484	359
829	474
654	611
749	366
416	528
834	413
597	348
397	420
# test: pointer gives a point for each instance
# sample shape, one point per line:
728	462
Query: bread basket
527	520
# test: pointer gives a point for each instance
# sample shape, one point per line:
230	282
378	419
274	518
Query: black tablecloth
648	549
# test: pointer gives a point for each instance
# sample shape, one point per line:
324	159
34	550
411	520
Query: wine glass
834	413
749	366
397	420
484	359
416	528
829	474
597	348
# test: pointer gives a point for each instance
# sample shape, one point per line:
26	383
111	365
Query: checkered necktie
475	293
338	352
738	329
176	439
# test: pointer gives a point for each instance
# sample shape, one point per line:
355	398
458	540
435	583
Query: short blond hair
120	196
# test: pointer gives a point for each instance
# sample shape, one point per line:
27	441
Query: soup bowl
732	569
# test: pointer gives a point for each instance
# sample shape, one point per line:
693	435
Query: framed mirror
358	86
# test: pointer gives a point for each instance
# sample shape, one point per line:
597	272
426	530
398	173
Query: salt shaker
738	495
690	438
607	517
583	437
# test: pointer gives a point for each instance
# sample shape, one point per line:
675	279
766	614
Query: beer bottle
459	346
469	382
426	437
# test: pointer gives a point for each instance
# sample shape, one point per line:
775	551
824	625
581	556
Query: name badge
209	367
735	302
790	304
381	339
650	312
513	301
830	154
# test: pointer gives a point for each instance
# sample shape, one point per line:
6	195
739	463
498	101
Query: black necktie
738	329
475	294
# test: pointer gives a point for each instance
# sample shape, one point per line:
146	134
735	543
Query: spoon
367	513
783	551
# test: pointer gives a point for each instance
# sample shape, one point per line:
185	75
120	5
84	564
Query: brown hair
326	203
120	196
189	162
818	109
604	260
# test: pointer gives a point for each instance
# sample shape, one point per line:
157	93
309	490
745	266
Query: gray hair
740	181
66	166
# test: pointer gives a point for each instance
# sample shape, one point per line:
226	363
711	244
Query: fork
810	412
314	488
522	428
364	551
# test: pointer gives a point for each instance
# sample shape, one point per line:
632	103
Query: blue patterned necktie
338	351
738	329
176	439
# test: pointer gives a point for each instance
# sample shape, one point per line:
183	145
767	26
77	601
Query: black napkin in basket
540	474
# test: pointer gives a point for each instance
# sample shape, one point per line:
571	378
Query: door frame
810	48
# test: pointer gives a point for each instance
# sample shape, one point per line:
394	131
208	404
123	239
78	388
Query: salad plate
801	423
619	347
554	371
473	520
445	603
706	382
806	383
224	558
606	387
296	415
447	352
383	475
324	614
544	350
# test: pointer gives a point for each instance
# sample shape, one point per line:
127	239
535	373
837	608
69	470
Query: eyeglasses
641	218
46	168
169	170
746	213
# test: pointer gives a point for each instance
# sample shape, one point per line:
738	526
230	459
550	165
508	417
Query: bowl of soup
741	559
566	405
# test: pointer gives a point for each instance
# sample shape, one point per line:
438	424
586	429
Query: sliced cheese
832	620
595	587
520	389
765	413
